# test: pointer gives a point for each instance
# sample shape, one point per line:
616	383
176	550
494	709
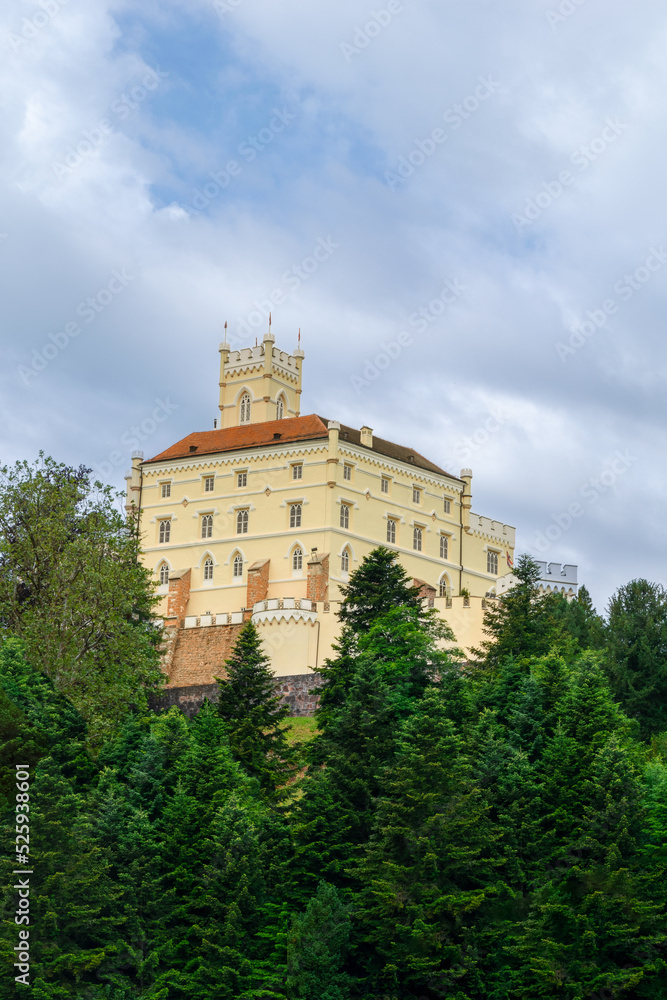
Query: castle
267	515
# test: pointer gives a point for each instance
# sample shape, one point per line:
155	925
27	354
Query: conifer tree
636	648
317	949
254	714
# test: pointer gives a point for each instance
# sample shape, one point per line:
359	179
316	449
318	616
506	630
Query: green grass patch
300	729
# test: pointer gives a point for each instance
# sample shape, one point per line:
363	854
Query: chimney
133	479
367	436
466	497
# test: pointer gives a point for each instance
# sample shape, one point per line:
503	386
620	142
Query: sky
460	203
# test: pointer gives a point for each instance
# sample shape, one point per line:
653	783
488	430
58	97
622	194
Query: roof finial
299	336
225	324
269	321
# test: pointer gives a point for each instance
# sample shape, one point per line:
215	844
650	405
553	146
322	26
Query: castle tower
259	383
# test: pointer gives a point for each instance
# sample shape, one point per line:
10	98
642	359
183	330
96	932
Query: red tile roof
245	436
283	431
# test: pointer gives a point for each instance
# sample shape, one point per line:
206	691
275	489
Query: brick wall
258	582
179	595
317	585
295	691
200	653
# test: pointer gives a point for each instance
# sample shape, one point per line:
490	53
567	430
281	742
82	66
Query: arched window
208	569
207	526
245	408
443	587
165	531
238	566
164	574
417	539
345	515
492	563
297	560
345	561
280	408
444	547
295	515
242	522
391	531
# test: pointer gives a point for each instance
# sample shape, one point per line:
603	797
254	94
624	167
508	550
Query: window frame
163	570
205	481
208	568
385	483
206	526
444	544
344	519
245	409
297	557
242	521
165	490
237	561
447	505
345	561
297	470
417	495
391	531
242	479
347	472
492	556
417	537
295	515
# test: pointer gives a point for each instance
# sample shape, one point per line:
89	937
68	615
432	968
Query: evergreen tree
636	648
317	949
254	714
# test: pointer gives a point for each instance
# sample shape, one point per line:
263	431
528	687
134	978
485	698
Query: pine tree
317	949
636	648
254	714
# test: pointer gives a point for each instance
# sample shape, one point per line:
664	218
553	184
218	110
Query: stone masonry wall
297	692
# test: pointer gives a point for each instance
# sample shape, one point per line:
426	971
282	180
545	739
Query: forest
489	827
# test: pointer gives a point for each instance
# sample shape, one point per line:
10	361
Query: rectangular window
444	547
209	484
416	494
448	506
295	515
347	472
345	515
166	490
391	531
297	472
242	479
384	484
492	563
165	531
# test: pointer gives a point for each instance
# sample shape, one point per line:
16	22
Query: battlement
496	529
259	384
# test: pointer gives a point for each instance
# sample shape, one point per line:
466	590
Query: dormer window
245	408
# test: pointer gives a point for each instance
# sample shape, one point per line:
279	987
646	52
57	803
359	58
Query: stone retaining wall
296	691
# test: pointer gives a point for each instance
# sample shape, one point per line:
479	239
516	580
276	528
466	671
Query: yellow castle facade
269	514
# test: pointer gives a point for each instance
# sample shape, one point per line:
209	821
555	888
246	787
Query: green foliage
73	589
636	648
254	714
317	949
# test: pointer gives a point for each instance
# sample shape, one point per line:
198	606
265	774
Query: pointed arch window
295	515
417	539
391	531
165	531
280	408
345	515
242	522
164	574
444	589
345	561
237	567
246	405
208	569
297	560
207	526
444	547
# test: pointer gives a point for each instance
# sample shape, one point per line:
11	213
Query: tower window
295	515
242	522
238	566
492	563
345	515
347	472
207	526
443	587
164	574
245	408
297	471
208	569
166	490
297	560
416	494
242	479
417	539
280	409
444	547
384	484
345	561
448	506
165	531
391	531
